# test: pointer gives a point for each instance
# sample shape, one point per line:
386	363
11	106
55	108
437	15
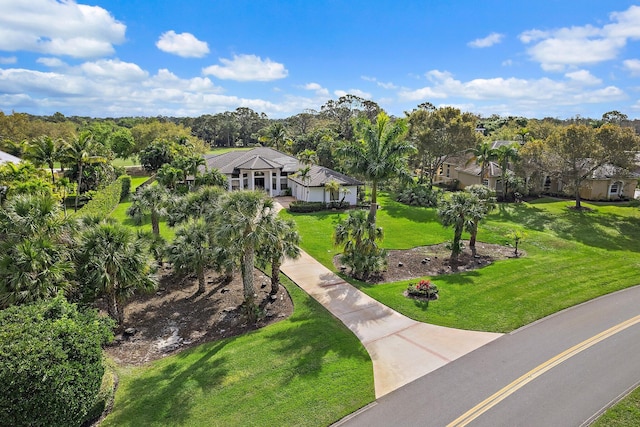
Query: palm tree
361	252
191	250
506	154
281	240
458	212
44	151
333	187
380	153
33	270
482	155
151	199
480	210
243	217
113	262
80	152
276	135
308	157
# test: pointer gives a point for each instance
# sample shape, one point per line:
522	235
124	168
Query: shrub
300	206
51	368
419	195
126	186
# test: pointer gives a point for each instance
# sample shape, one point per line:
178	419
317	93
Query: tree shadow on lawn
601	230
524	214
411	213
311	338
165	396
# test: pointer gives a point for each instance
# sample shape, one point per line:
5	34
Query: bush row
419	195
106	200
300	206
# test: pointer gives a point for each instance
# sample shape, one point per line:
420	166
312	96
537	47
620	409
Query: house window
615	189
334	195
485	182
547	184
448	170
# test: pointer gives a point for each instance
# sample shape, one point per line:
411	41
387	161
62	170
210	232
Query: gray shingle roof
257	158
319	176
6	158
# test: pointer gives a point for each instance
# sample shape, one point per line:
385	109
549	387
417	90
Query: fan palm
44	151
191	250
114	263
152	200
281	240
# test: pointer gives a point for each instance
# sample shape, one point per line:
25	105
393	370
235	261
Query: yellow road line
506	391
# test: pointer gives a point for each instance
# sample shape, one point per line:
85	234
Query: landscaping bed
434	260
177	317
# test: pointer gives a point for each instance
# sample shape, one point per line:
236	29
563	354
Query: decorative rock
476	256
400	264
224	290
343	267
424	261
228	309
273	297
264	285
130	331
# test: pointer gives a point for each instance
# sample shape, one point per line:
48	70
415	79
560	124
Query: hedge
305	207
106	200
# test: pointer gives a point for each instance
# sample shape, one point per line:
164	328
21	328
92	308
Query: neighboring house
8	158
606	183
464	169
276	173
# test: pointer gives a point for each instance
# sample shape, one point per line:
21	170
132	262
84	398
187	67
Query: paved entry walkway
401	349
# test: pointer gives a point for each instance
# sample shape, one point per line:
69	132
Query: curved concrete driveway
401	349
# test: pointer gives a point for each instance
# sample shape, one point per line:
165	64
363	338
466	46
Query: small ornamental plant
423	289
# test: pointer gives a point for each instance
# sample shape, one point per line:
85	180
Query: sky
114	58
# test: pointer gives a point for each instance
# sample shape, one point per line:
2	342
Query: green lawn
227	149
625	413
571	257
307	370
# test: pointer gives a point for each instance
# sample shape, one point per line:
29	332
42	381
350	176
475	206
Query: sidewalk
401	349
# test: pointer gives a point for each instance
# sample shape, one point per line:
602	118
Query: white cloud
247	68
507	63
114	70
633	66
583	45
8	59
387	85
51	62
317	88
59	28
583	77
488	41
183	44
356	92
541	92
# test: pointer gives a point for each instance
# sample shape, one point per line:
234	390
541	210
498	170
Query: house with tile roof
279	174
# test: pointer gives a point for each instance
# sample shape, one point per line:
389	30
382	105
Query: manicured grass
571	257
308	370
625	413
227	149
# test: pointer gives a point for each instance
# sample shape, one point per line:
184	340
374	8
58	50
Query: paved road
560	371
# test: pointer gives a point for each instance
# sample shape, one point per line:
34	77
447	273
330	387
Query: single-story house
8	158
606	183
277	173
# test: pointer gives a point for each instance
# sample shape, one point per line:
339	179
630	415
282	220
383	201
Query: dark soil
434	261
177	317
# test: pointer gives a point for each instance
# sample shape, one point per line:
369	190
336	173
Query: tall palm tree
458	212
114	263
191	250
379	153
482	155
243	216
44	151
506	154
152	200
80	151
281	240
276	135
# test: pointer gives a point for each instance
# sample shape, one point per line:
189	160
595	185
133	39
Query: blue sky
109	58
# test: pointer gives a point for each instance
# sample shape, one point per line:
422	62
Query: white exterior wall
316	194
